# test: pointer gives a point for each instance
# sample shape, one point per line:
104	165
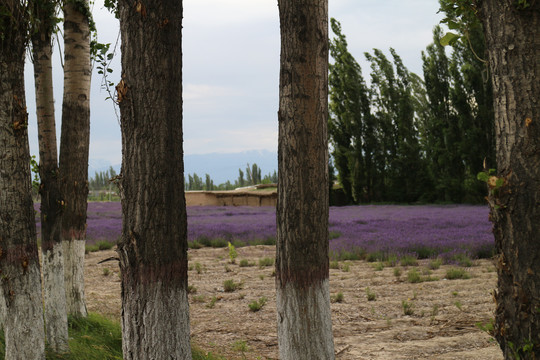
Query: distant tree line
251	176
102	179
408	139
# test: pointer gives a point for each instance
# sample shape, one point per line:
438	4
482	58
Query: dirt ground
442	326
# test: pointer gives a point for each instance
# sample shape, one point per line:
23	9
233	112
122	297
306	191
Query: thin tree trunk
513	43
54	293
74	147
20	284
303	300
153	250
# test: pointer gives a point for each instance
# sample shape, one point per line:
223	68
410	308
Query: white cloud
231	67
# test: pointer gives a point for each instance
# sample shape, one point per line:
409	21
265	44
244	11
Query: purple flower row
422	230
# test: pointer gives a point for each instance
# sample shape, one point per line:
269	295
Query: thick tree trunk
20	284
153	250
54	293
303	300
74	147
513	42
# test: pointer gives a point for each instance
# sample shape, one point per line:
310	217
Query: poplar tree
52	202
153	249
302	267
20	300
74	149
350	126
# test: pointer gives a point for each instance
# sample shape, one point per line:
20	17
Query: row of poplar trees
153	249
408	139
28	315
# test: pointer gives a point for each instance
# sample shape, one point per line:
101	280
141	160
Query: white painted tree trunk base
155	321
23	322
304	322
54	297
74	277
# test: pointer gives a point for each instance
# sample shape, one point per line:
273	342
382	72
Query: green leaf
449	39
482	176
499	182
452	25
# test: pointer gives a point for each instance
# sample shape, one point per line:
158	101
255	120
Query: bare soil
443	324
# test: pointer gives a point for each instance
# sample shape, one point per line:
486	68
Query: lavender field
448	231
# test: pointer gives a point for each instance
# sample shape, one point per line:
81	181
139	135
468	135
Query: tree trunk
20	284
74	147
153	250
303	301
513	43
54	295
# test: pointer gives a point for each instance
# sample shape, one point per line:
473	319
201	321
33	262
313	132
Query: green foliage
232	253
350	125
245	263
102	180
408	307
198	354
240	345
254	177
457	273
334	264
356	254
460	16
391	261
408	260
462	260
199	268
338	298
104	245
449	38
212	302
400	168
198	299
487	327
371	296
257	305
435	264
231	286
413	276
265	262
91	338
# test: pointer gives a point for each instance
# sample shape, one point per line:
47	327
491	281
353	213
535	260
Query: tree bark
54	295
153	250
513	43
20	284
303	300
74	147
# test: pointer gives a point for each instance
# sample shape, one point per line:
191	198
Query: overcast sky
231	68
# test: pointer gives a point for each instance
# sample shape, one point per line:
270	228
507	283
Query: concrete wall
231	198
